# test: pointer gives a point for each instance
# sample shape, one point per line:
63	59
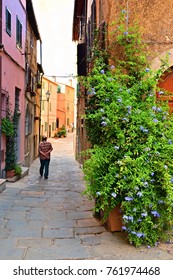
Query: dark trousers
44	166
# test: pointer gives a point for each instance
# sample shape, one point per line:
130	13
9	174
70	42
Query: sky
55	20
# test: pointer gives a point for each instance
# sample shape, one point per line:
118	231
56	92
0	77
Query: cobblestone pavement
50	219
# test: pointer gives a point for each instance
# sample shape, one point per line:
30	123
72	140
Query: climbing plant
130	162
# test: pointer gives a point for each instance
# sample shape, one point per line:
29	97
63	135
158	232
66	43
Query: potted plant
17	170
130	130
9	127
62	132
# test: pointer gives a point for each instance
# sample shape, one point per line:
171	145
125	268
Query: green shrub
62	132
18	169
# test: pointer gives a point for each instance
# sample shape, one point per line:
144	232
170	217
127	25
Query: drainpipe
41	91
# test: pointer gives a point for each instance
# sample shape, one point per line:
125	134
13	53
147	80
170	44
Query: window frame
19	29
8	21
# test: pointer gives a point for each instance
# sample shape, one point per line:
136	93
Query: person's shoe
40	176
45	178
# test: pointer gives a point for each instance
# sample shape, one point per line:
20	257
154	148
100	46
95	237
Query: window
58	89
18	33
53	126
8	22
57	123
42	107
28	122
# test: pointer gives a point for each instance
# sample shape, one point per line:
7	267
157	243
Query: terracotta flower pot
114	221
10	173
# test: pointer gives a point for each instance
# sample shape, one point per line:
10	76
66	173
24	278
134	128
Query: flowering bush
131	134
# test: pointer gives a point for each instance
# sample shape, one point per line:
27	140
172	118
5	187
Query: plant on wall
130	162
9	129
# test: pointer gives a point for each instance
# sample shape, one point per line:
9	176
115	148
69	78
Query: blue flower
98	193
160	92
145	184
101	110
144	214
126	33
125	119
112	67
138	234
165	166
103	123
107	100
128	90
160	201
159	109
128	198
114	195
169	141
119	100
102	71
134	209
155	213
128	218
143	129
154	108
124	228
171	180
155	120
152	174
147	149
147	70
93	91
116	147
139	194
129	107
123	11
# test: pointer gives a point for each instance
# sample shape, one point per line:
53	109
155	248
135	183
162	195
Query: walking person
44	150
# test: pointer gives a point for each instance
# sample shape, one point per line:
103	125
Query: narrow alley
50	219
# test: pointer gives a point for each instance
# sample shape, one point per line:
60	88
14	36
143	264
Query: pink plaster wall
13	64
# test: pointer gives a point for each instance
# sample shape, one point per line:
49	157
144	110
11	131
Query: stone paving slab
51	219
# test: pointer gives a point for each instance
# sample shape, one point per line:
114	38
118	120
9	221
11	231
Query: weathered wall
154	18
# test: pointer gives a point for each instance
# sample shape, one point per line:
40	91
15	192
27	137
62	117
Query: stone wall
154	18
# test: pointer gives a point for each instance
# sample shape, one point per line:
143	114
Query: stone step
2	185
25	171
